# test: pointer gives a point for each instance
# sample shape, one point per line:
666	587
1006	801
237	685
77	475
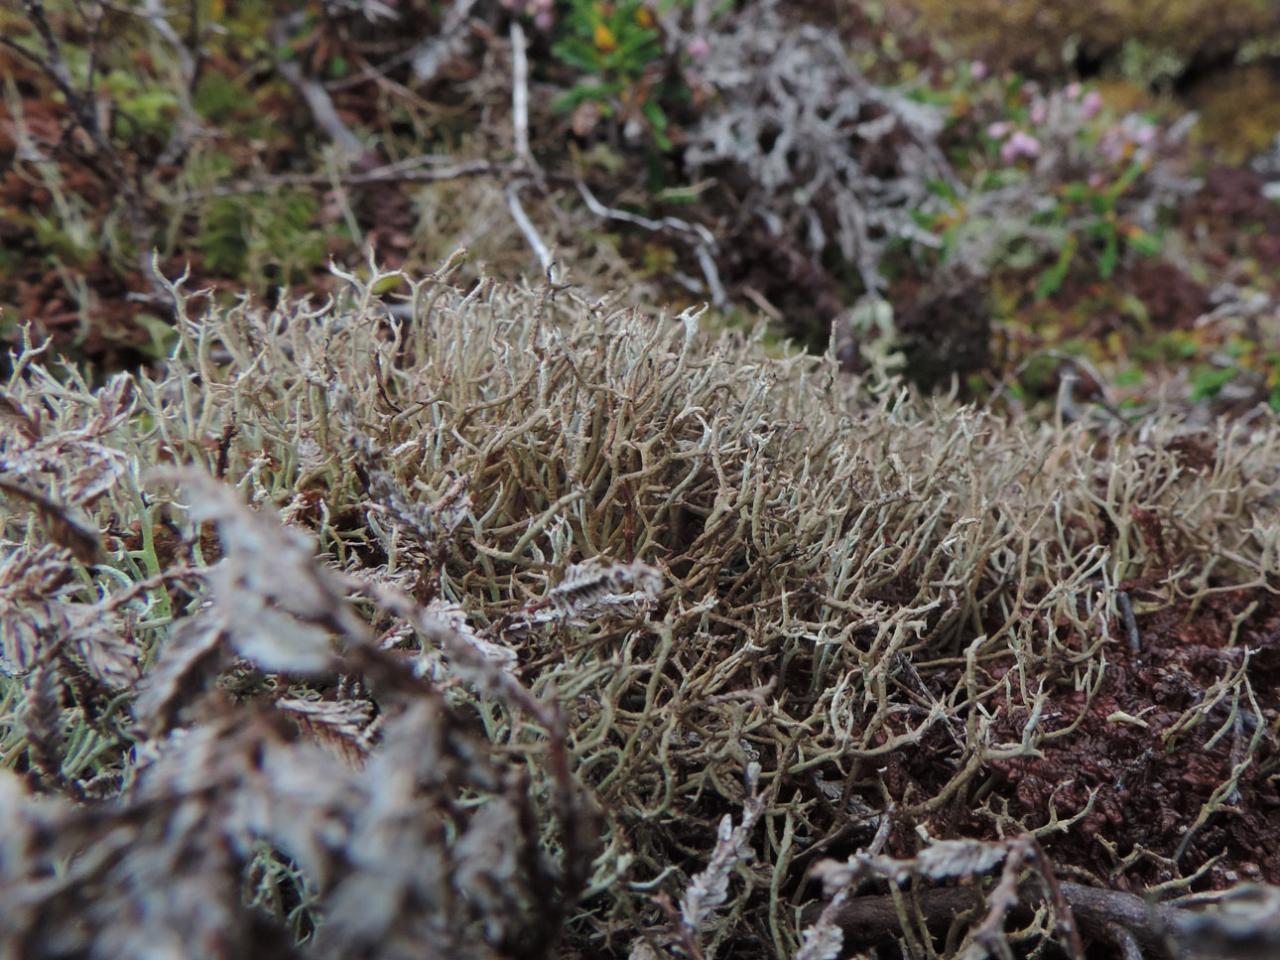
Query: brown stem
1099	913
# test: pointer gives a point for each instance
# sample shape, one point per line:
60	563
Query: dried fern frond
590	587
34	584
708	890
279	608
346	726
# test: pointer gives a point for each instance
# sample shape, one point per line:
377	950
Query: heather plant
1056	178
498	621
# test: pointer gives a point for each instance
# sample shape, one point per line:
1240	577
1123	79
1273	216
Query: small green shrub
619	49
1055	180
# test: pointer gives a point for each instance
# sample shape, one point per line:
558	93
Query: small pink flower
1020	145
698	48
978	70
1074	90
1112	144
1000	130
1039	112
1091	105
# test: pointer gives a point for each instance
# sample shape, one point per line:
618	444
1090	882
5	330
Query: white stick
530	231
520	95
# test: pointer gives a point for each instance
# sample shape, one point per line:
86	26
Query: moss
1035	34
1240	111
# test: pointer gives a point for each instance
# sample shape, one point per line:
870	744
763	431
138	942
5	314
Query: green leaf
1146	244
161	333
1208	382
603	93
1131	377
941	188
1179	345
1110	255
1051	280
1077	192
655	115
678	195
577	53
1127	179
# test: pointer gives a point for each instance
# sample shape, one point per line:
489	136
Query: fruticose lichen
513	623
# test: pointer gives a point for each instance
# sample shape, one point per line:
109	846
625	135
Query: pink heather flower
1000	130
1111	144
1039	112
698	48
1091	105
1020	145
978	70
1073	90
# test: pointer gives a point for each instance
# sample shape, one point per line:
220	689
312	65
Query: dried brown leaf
66	526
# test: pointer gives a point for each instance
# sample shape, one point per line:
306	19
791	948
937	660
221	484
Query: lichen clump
508	622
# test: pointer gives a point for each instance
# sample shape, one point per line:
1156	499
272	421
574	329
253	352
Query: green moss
264	240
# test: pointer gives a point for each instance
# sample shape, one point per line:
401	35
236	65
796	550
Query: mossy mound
588	633
1034	36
